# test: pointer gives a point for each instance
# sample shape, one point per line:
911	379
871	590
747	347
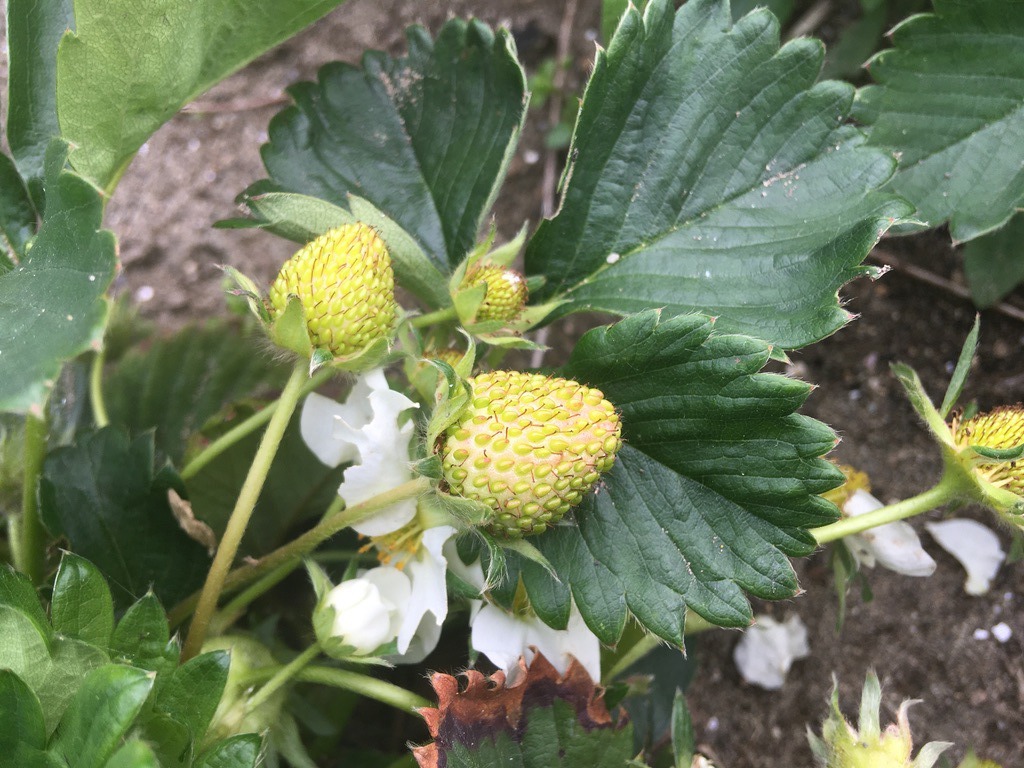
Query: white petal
316	424
394	586
362	616
976	547
472	574
767	650
427	573
893	545
504	638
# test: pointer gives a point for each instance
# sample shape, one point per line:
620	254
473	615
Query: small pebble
144	294
531	156
981	634
713	724
1002	632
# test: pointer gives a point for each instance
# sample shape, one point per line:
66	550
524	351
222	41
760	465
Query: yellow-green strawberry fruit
1000	428
346	285
529	447
506	293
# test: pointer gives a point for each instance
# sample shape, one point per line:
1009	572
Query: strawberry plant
224	552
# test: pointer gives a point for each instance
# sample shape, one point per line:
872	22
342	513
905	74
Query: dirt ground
919	634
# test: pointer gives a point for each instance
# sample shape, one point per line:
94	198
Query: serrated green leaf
105	496
178	383
81	607
717	482
20	713
126	68
134	754
52	305
34	30
193	691
236	752
100	714
142	637
709	172
17	591
17	216
425	138
994	263
950	102
961	371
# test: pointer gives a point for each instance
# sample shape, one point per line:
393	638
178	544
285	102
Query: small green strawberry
529	447
346	286
505	295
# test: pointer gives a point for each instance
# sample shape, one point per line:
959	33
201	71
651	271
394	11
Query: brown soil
917	633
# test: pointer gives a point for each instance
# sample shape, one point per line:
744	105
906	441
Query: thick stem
28	538
293	552
281	677
99	407
434	318
947	490
246	428
244	506
364	685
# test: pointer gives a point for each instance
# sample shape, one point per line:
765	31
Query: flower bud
366	611
346	286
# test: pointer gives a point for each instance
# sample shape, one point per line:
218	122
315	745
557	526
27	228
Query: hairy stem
281	677
434	318
364	685
944	492
28	538
246	428
240	515
293	552
99	407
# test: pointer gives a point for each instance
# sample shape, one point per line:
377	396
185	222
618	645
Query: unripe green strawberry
506	291
347	289
529	447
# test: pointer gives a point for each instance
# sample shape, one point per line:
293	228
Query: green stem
434	318
283	674
246	428
946	490
364	685
647	643
28	538
99	408
293	552
231	612
240	515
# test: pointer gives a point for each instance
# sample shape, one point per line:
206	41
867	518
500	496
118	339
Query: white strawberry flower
365	430
504	637
368	609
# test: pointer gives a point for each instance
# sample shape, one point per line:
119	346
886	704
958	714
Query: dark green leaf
104	496
683	740
717	482
949	103
171	740
17	216
142	638
81	607
709	172
52	306
33	31
20	713
16	590
191	695
178	383
654	712
426	138
962	370
127	68
134	754
994	263
298	489
100	714
236	752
